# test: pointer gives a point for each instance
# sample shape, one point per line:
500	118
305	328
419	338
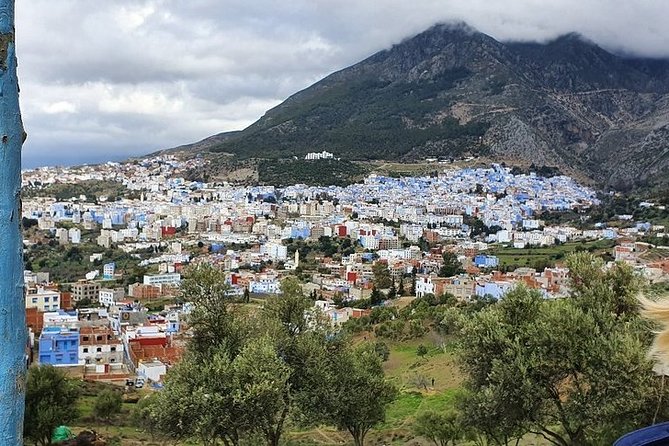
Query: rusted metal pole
13	336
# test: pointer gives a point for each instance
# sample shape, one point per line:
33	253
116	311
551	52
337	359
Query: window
99	349
85	338
99	338
112	360
85	349
113	349
34	300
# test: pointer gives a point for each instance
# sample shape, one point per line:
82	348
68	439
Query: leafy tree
400	289
210	320
107	403
392	292
359	394
442	428
451	266
421	350
573	370
198	402
376	297
262	388
381	349
382	277
247	295
144	414
51	400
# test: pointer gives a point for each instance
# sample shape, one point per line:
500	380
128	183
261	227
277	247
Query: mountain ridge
452	91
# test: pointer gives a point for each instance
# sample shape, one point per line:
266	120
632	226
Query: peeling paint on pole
13	335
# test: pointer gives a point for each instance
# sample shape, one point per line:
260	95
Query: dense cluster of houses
405	223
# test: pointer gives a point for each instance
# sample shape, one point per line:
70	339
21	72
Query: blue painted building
483	261
59	346
494	289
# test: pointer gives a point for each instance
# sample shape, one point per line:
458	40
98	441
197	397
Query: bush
107	403
421	350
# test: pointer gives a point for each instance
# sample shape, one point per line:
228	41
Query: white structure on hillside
319	156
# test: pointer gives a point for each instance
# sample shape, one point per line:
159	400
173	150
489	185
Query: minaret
297	258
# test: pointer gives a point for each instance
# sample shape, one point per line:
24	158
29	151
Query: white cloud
130	76
59	107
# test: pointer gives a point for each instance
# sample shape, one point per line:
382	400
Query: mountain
452	91
200	146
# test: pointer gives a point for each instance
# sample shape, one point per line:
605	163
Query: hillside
452	91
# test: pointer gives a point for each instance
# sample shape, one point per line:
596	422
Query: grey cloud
103	78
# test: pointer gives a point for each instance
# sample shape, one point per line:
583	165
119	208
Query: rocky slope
452	91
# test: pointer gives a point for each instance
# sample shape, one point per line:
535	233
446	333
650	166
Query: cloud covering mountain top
108	79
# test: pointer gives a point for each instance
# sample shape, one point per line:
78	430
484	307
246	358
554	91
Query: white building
319	156
75	235
108	296
162	279
43	300
274	250
153	370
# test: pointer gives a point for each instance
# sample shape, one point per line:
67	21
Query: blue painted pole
13	334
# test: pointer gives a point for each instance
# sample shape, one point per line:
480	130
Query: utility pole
13	336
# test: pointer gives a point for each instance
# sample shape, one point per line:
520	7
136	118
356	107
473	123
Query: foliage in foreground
51	399
574	370
249	375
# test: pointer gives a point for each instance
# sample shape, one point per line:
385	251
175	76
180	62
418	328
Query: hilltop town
106	247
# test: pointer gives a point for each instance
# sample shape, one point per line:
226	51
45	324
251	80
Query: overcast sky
106	79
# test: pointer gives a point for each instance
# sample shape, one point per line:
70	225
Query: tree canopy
573	370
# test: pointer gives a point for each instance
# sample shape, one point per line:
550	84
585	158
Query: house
108	296
59	346
84	290
484	261
99	345
162	279
153	370
496	289
43	299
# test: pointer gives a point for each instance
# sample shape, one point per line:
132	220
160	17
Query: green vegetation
312	172
362	118
451	265
107	404
568	372
546	256
579	374
71	262
248	375
51	399
92	189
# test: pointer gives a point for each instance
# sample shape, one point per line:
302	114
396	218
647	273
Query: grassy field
547	255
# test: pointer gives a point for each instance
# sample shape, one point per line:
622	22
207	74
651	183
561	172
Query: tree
51	399
247	295
573	370
392	292
107	403
442	428
400	289
381	273
262	388
262	368
451	266
376	297
421	350
198	401
212	324
359	394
